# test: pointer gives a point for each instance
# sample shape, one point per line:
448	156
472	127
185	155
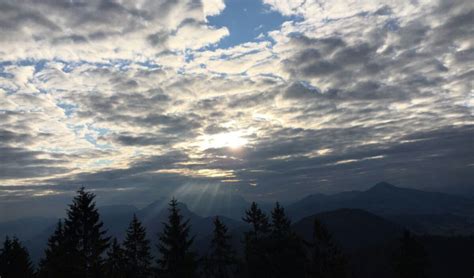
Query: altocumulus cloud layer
136	96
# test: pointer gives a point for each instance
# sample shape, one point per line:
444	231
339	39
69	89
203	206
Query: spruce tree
115	262
258	220
52	265
285	248
256	242
176	261
85	240
137	251
410	260
15	260
281	225
327	260
221	260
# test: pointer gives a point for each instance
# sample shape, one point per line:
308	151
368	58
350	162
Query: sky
270	99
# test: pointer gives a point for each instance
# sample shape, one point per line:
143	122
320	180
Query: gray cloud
380	93
22	163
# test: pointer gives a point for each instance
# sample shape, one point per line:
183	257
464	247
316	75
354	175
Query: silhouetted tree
115	264
256	242
221	260
410	260
327	260
176	261
137	250
52	265
258	220
14	260
281	225
85	239
285	248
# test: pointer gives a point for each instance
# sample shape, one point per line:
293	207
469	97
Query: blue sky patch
245	19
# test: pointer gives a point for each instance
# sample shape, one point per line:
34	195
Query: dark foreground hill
370	242
352	228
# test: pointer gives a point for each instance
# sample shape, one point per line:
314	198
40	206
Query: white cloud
192	36
97	30
213	7
143	84
314	10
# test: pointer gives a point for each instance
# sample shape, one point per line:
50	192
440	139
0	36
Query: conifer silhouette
15	260
52	265
221	260
281	225
258	220
327	260
256	242
115	263
85	240
176	261
137	250
285	248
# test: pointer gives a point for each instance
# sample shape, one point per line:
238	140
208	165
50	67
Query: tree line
80	248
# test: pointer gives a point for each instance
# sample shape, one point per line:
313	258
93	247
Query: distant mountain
388	200
37	244
25	227
357	218
116	209
226	204
116	218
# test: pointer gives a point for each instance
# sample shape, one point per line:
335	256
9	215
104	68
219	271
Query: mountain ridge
385	199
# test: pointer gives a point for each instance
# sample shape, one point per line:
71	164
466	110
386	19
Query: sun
232	140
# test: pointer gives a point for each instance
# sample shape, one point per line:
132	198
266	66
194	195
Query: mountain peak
383	186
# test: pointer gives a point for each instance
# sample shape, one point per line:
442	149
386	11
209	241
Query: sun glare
233	140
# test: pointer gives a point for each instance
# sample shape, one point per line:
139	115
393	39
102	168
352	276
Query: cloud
194	36
339	9
342	95
96	30
213	7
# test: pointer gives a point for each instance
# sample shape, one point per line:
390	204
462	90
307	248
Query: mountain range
362	222
420	211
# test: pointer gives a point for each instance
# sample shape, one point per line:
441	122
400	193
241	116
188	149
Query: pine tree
52	265
327	260
85	240
281	225
258	220
256	242
222	257
411	259
285	248
15	260
115	262
137	251
177	261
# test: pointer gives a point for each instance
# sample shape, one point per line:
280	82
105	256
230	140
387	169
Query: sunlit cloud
146	96
233	140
